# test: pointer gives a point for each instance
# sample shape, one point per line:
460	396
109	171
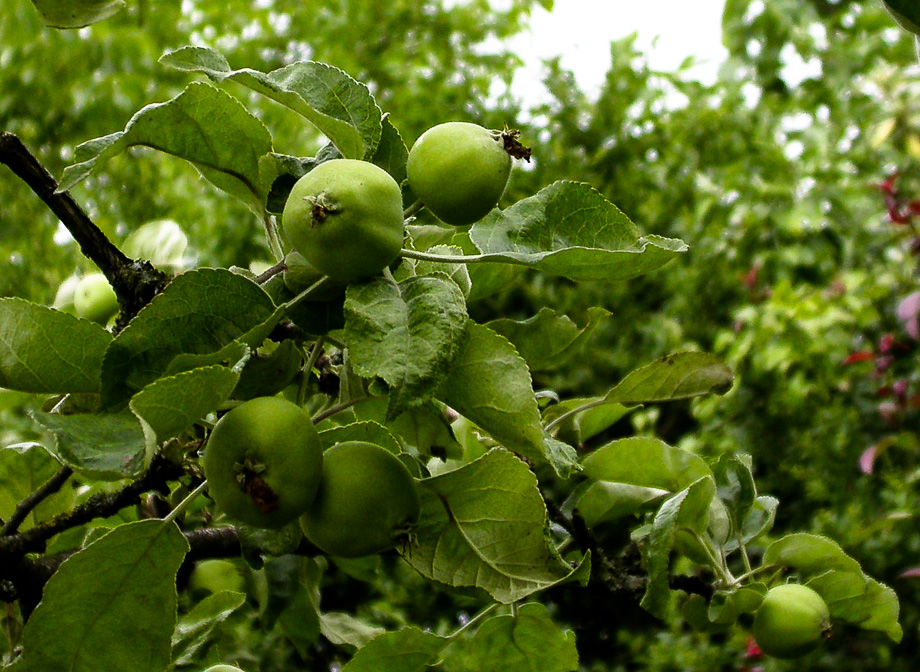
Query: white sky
581	31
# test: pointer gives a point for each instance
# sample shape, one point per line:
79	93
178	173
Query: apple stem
413	209
332	410
273	236
575	411
473	621
308	367
305	294
185	503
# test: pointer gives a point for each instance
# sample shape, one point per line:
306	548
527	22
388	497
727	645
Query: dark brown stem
136	282
101	505
26	506
92	241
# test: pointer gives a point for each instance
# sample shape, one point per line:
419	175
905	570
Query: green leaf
370	431
604	502
424	427
876	608
906	13
727	605
202	125
406	650
485	279
695	610
195	629
118	600
483	525
758	521
547	340
459	273
809	555
391	153
647	462
173	404
724	608
581	425
258	542
570	229
736	486
677	376
341	108
199	313
76	13
45	350
269	370
103	445
528	641
489	383
408	334
687	510
22	471
344	629
234	356
300	618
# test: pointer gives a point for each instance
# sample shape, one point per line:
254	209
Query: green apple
263	462
791	621
459	171
94	299
345	217
367	502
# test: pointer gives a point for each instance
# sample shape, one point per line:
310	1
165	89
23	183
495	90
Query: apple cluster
344	218
265	466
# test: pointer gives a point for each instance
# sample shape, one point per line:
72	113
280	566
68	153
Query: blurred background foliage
797	267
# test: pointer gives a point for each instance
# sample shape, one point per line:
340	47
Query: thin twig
26	506
100	505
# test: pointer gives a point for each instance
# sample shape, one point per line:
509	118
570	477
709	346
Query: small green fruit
791	621
63	298
367	502
94	299
345	217
459	171
263	462
214	576
223	668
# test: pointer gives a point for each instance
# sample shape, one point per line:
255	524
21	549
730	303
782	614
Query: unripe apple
367	502
459	171
345	217
299	274
94	299
63	298
214	575
791	621
263	462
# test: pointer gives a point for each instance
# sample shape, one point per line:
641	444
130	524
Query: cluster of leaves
152	386
782	202
713	520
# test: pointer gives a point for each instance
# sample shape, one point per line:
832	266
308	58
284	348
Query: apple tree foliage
529	506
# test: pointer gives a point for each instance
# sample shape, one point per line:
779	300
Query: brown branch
136	282
100	505
26	506
91	239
